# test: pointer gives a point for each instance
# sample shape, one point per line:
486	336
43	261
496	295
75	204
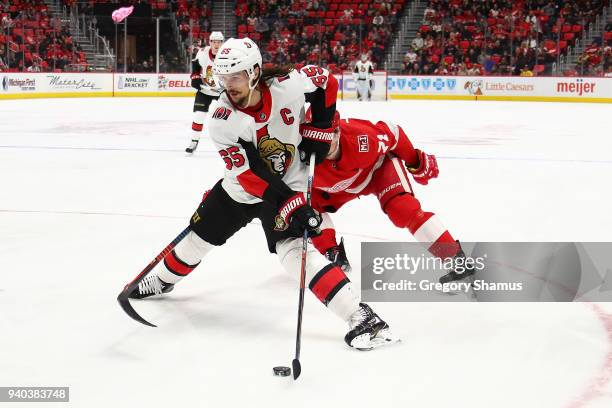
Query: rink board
531	89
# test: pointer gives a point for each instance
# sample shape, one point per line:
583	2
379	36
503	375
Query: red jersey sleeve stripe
252	183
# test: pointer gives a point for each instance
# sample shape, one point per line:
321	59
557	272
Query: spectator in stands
34	67
347	16
378	20
526	72
410	57
417	42
3	64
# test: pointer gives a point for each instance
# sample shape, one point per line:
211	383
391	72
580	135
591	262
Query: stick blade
297	368
124	302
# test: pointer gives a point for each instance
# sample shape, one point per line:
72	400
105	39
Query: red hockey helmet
335	121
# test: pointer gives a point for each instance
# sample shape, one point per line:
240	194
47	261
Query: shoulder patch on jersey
222	113
363	143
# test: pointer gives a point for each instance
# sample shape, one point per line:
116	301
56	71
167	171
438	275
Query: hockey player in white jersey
207	89
363	75
256	127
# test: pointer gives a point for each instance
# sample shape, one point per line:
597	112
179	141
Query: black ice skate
151	286
367	330
192	147
337	256
457	275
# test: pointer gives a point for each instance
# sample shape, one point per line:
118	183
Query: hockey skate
459	276
337	256
367	330
192	147
151	286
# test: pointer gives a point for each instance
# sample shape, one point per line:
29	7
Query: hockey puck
282	371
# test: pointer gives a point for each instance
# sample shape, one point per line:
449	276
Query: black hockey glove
196	81
315	140
300	216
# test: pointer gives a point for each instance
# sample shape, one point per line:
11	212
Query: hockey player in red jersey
257	128
374	158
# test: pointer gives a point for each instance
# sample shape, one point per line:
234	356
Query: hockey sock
183	259
405	212
326	281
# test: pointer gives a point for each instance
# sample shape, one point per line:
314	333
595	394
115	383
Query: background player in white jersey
256	126
207	89
363	72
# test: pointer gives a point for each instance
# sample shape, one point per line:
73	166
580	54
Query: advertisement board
542	89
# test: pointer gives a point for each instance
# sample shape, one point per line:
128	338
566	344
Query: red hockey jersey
364	146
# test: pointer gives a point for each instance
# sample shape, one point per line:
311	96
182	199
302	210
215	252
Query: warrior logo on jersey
277	155
208	78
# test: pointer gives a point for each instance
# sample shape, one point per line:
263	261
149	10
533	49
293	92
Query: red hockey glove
315	140
299	216
426	169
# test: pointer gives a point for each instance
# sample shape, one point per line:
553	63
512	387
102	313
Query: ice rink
92	189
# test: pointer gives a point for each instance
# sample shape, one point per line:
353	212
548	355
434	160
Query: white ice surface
92	189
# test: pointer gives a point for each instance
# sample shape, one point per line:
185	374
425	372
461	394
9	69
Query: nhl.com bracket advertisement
489	272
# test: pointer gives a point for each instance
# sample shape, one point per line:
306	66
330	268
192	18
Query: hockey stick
124	299
297	368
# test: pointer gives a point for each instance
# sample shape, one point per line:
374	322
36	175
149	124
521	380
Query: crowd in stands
457	37
331	33
497	37
31	39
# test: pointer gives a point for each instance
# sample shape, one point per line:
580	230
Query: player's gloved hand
426	168
300	216
196	81
315	140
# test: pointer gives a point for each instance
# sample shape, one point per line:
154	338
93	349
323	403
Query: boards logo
579	87
162	82
474	87
5	83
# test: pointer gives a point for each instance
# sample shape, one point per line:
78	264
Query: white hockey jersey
269	134
364	70
204	58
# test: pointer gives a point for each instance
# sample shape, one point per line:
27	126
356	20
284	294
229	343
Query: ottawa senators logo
280	224
277	155
208	78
